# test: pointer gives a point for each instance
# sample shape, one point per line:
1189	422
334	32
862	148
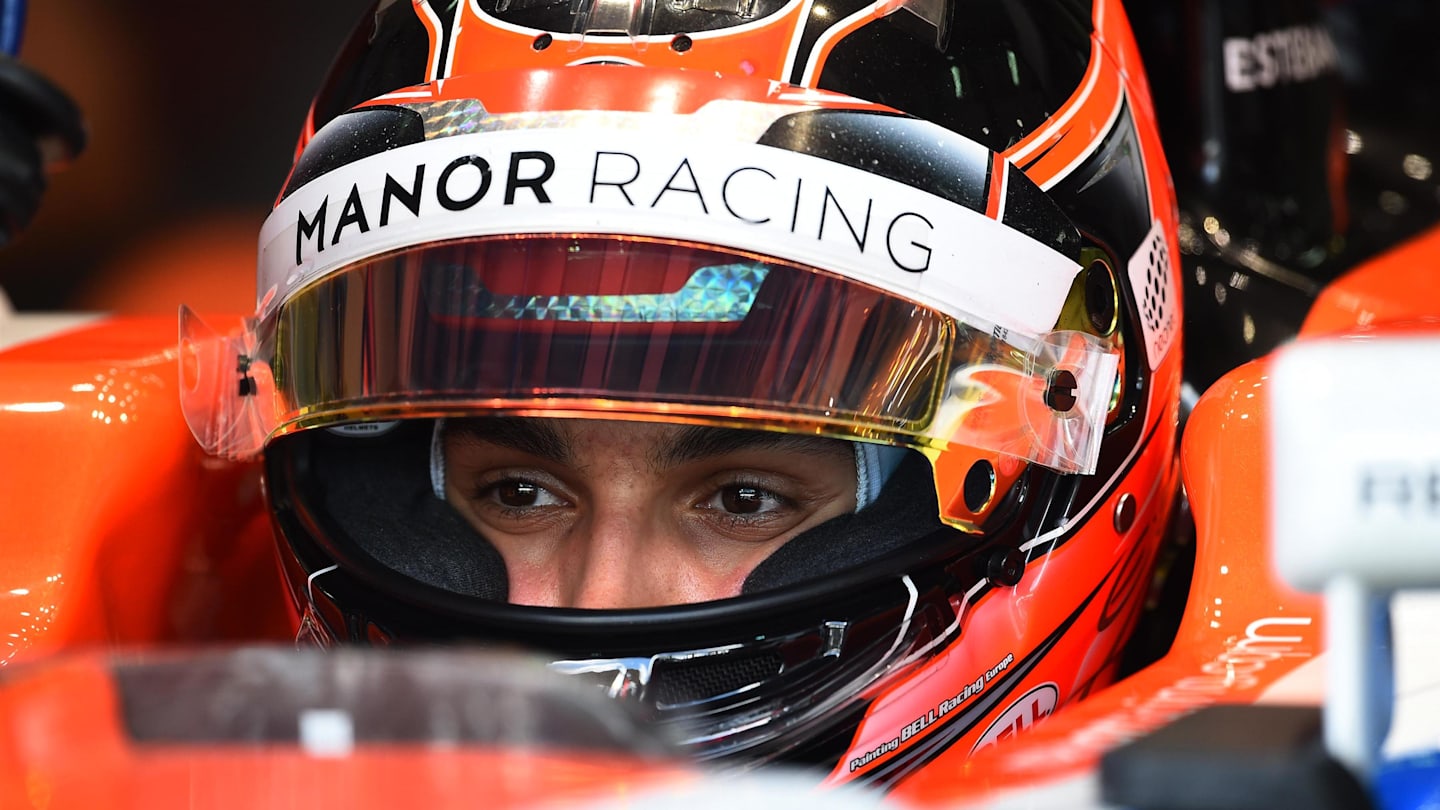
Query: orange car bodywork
82	756
116	529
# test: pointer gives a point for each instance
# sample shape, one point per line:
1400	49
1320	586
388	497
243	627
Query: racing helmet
942	233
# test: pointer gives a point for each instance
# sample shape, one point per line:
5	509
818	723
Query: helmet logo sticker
759	198
1029	709
1154	286
945	707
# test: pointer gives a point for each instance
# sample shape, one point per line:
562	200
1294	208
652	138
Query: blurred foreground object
266	726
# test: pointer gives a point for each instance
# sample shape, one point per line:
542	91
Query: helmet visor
630	328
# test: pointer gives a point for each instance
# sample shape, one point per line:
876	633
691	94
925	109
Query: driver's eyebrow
533	436
699	442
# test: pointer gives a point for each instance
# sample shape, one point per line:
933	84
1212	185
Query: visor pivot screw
1006	567
1060	394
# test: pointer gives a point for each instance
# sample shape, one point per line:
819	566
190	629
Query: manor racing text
736	195
747	194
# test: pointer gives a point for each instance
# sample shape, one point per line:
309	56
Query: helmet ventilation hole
681	43
542	42
979	486
1101	302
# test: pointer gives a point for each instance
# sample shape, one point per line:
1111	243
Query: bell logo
1401	489
1029	709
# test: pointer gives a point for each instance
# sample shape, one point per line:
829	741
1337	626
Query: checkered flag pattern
1154	286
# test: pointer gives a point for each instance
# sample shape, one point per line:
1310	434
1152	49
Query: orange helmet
941	232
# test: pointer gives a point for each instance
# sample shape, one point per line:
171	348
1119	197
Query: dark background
193	110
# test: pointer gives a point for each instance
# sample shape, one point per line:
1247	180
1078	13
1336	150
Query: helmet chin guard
757	676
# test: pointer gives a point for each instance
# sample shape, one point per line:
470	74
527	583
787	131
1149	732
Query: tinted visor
571	323
628	328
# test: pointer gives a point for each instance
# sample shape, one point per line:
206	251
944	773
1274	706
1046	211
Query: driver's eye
743	500
517	493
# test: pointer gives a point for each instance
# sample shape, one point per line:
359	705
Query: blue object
1412	783
12	25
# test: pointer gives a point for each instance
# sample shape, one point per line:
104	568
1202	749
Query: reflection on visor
716	294
625	328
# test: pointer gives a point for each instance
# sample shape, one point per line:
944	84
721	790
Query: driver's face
596	514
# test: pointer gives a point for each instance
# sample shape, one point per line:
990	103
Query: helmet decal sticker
446	118
1029	709
956	723
1154	284
712	294
943	708
769	200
